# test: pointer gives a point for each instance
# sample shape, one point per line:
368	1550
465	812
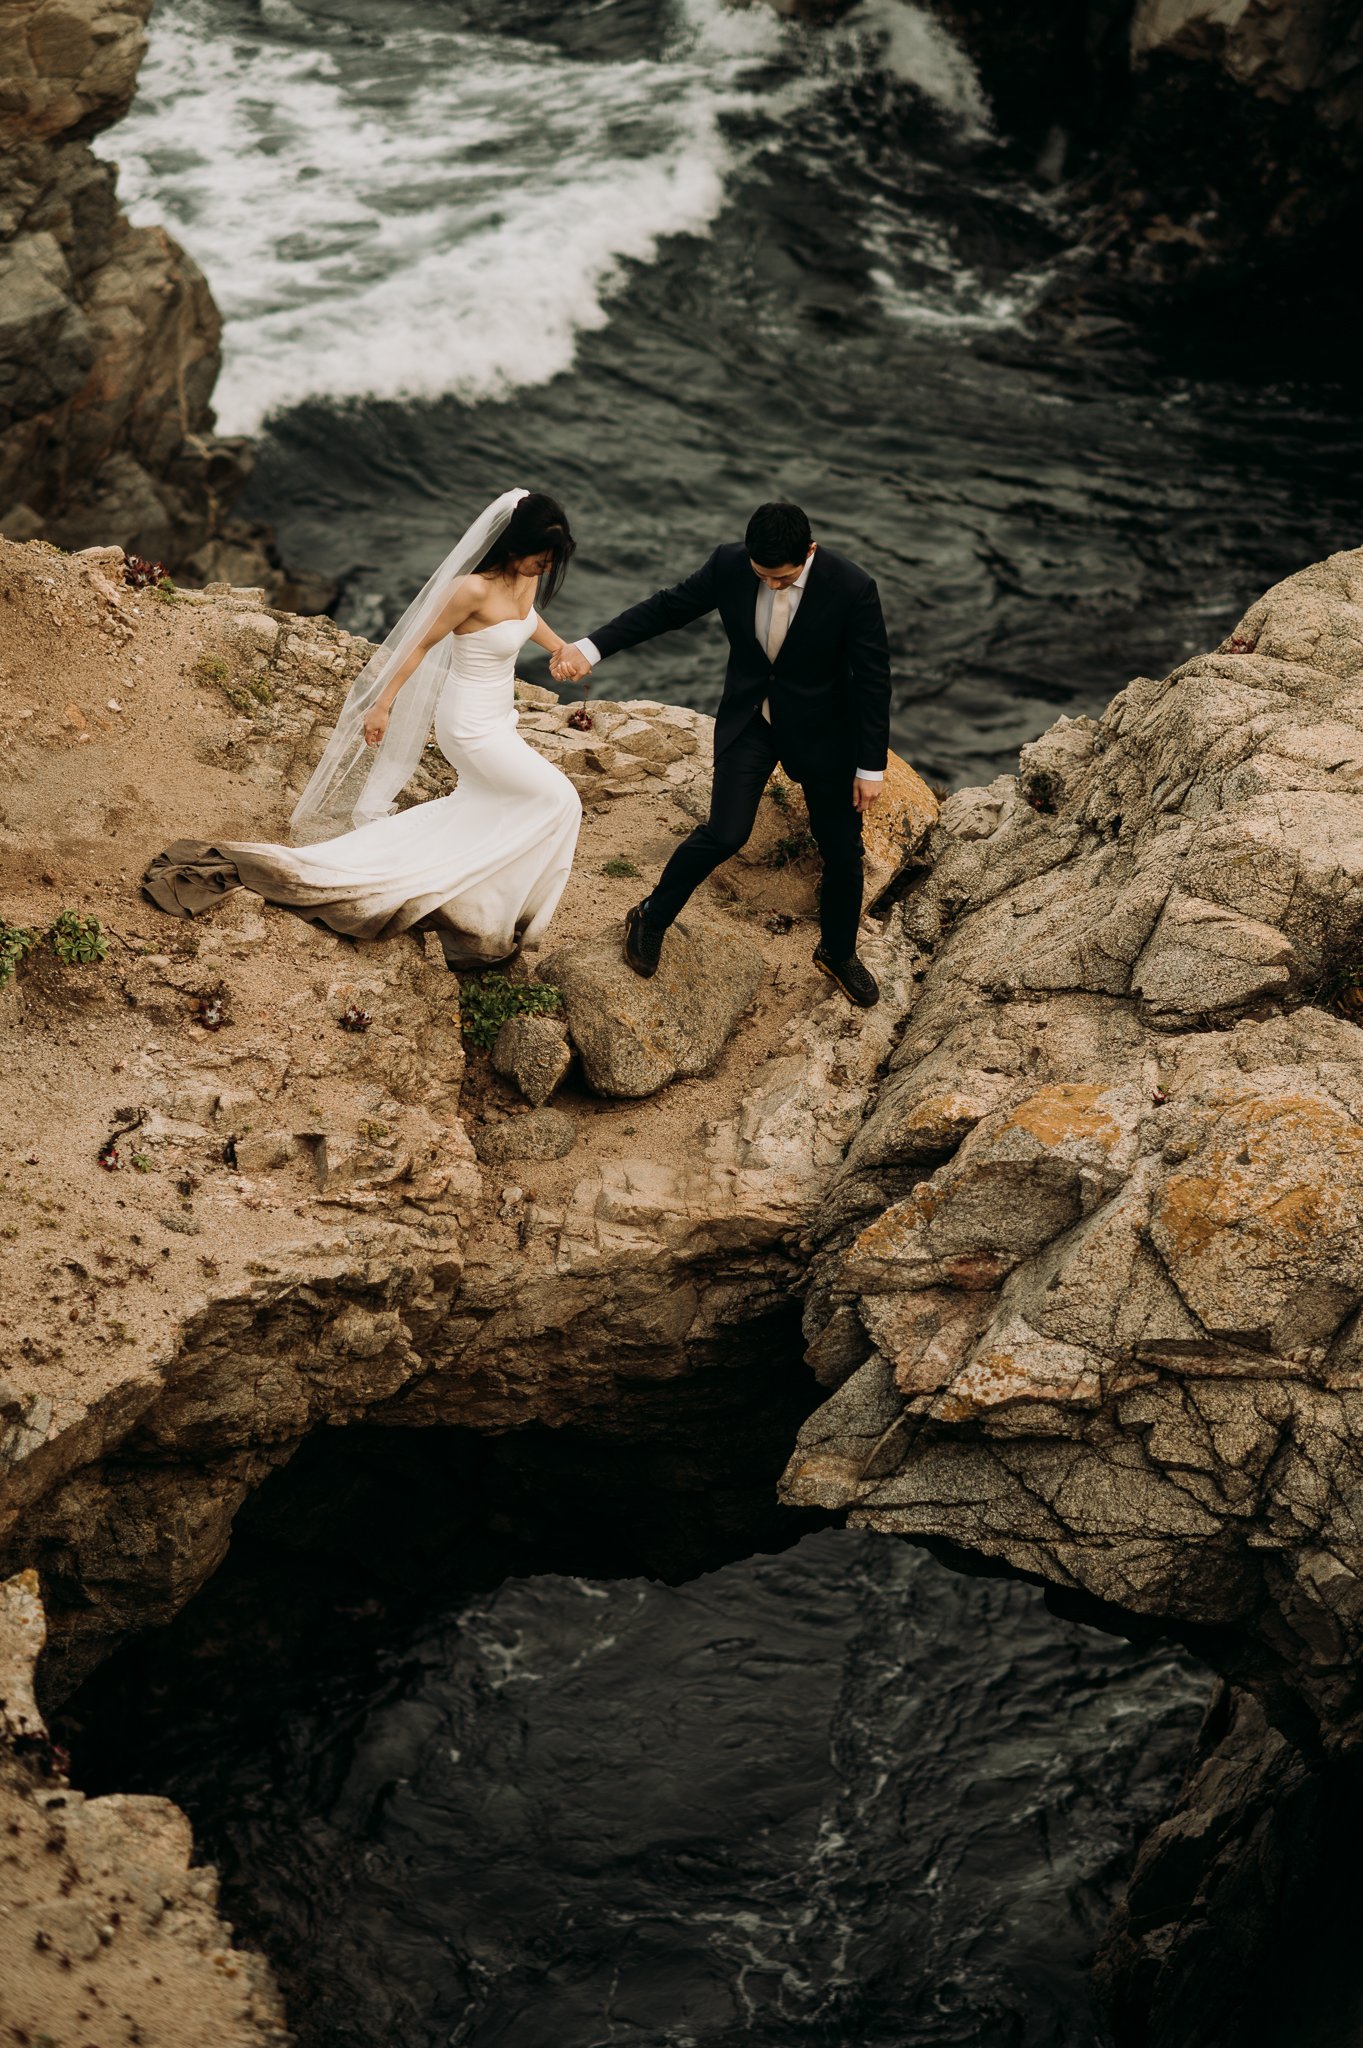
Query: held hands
864	794
568	665
375	724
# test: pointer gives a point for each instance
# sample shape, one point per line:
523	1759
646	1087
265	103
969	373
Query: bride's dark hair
538	526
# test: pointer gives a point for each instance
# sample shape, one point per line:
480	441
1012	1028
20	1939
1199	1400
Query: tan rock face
535	1054
106	1884
1093	1260
108	333
67	64
635	1035
298	1224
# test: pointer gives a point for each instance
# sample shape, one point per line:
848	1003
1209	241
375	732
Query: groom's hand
568	665
864	794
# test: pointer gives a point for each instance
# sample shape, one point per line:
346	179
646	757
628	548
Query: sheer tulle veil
354	783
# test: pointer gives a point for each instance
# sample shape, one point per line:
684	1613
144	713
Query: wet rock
109	337
534	1053
633	1035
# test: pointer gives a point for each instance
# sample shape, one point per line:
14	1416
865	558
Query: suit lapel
813	602
745	605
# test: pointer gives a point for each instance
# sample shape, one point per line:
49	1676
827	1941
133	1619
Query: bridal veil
354	782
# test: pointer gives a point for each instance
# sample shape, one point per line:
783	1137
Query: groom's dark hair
777	535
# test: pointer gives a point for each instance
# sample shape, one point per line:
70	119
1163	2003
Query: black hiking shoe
643	942
857	983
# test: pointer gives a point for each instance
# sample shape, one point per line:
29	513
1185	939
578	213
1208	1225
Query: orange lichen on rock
1055	1116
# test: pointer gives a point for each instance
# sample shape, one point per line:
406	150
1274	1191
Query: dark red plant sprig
581	719
140	574
210	1009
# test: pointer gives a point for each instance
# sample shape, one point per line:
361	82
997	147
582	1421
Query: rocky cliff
229	1219
1089	1284
108	1933
1073	1219
108	333
1213	146
257	1181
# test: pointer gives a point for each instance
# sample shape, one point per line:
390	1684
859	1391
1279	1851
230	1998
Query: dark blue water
667	259
837	1797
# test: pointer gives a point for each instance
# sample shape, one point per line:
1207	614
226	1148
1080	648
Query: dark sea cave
544	1741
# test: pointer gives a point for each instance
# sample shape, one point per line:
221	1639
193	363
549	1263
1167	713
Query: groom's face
779	579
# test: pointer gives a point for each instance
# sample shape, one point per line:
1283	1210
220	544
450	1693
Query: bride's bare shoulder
465	597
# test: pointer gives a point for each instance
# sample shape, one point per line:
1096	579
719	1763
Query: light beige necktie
779	625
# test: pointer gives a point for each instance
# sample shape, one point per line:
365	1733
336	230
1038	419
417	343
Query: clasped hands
569	665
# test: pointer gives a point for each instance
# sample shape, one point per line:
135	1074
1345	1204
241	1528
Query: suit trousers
741	774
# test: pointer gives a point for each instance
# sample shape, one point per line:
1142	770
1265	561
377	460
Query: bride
486	866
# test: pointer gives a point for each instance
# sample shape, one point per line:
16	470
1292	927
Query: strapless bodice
489	655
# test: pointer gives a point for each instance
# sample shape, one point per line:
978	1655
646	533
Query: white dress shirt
766	597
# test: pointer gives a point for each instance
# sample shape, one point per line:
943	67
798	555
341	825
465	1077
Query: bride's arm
545	636
461	604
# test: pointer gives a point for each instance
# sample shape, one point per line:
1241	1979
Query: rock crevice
1092	1262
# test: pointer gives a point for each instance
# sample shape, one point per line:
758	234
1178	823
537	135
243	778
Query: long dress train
485	866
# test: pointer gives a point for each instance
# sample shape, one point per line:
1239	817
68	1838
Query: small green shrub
779	793
216	674
487	1000
792	848
76	940
1340	991
620	868
16	940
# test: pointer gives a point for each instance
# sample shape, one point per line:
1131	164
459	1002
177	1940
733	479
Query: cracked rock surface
252	1184
109	337
1089	1282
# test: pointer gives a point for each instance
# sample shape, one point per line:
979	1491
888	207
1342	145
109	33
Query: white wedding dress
485	866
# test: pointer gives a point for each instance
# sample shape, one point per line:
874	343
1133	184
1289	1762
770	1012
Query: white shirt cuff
589	651
870	775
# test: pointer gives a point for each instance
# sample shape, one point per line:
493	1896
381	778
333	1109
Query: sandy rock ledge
106	1932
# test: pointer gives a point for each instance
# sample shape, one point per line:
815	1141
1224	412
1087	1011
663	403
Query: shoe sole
640	967
838	982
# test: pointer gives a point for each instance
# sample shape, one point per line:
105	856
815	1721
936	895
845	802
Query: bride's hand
375	725
568	665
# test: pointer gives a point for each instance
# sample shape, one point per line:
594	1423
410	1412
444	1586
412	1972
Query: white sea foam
445	213
449	221
917	49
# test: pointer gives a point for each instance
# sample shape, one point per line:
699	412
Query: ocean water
838	1797
667	258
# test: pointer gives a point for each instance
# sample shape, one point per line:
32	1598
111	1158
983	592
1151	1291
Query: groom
808	685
